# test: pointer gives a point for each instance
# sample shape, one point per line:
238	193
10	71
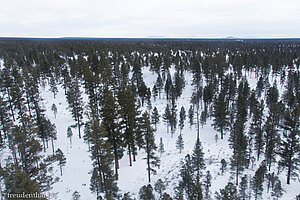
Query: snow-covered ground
76	175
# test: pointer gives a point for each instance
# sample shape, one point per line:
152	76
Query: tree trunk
52	145
129	152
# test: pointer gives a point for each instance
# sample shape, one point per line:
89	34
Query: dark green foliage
60	157
257	181
277	191
161	148
220	113
256	128
167	117
243	188
103	178
75	101
155	117
149	145
198	158
207	184
69	135
223	166
238	142
182	117
290	148
54	109
110	116
146	193
191	116
159	187
228	193
180	143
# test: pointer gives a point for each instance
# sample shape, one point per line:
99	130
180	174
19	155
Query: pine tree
187	175
155	117
54	109
238	143
182	117
220	113
228	193
223	166
180	143
103	179
257	129
146	193
110	116
173	116
74	97
149	146
271	134
53	87
290	148
277	191
69	135
257	181
166	117
129	112
243	188
191	116
207	184
60	157
198	158
159	187
161	148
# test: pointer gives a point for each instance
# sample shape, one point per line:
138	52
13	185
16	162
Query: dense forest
114	112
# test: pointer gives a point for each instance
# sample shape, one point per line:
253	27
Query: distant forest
262	123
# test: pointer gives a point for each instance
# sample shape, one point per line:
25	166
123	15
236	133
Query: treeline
263	124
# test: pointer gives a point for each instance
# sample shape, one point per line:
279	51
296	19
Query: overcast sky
150	18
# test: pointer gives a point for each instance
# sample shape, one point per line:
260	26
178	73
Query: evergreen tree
180	143
161	148
243	188
146	193
69	135
173	116
271	134
256	128
198	158
159	187
149	146
223	166
60	157
228	193
110	116
191	116
207	184
277	191
187	175
54	109
238	143
290	148
182	117
103	179
167	116
74	97
221	120
257	181
129	112
155	117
